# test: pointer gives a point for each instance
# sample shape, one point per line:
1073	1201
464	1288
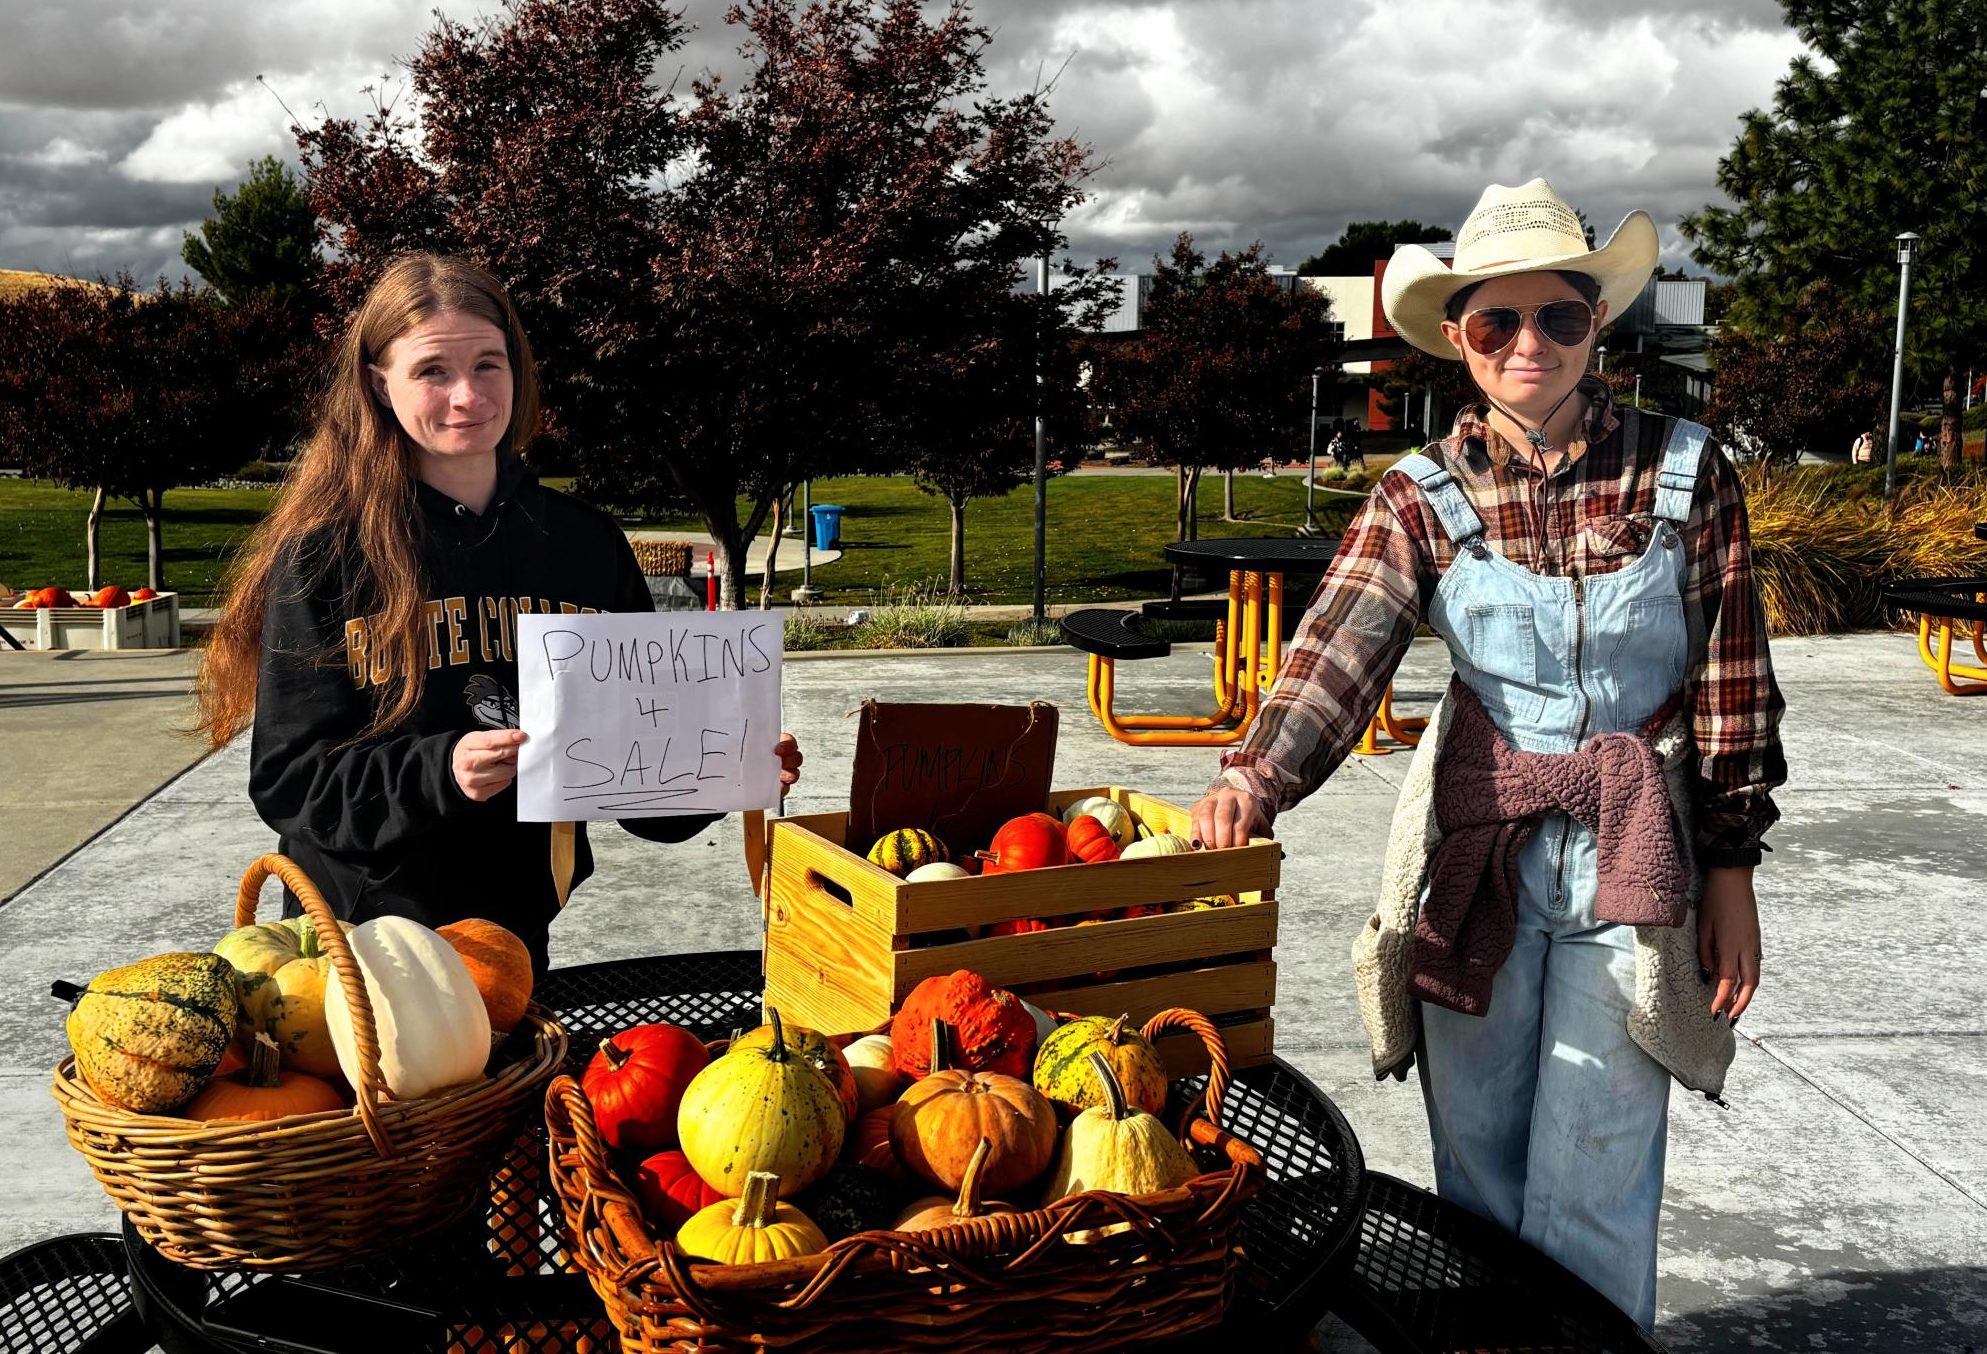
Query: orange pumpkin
1090	841
500	966
989	1028
939	1211
1034	841
937	1127
264	1091
871	1143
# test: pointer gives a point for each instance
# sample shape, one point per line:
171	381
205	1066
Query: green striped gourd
149	1035
907	848
1064	1074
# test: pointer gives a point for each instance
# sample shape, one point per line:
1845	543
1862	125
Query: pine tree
1880	129
261	239
1364	243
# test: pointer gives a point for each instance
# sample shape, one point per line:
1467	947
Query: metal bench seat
1110	633
1214	609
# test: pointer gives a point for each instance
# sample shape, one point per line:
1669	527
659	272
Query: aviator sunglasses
1566	322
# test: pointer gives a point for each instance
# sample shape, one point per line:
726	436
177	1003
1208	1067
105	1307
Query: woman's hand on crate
1227	817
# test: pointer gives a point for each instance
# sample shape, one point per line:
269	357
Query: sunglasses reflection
1566	323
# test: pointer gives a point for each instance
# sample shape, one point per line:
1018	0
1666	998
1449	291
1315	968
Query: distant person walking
1864	450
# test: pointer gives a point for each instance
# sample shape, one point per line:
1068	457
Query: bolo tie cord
1535	436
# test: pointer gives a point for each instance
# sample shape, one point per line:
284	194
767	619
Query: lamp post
1311	484
1602	353
1041	464
1907	246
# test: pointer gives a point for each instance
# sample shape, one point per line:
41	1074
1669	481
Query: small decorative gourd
878	1082
754	1228
939	1211
284	970
1115	817
872	1148
499	965
1118	1147
813	1048
1034	841
761	1108
671	1191
1090	841
938	869
938	1125
636	1081
148	1035
433	1030
907	848
990	1029
263	1091
1063	1071
1164	844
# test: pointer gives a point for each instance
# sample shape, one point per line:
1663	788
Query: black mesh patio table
1258	554
491	1284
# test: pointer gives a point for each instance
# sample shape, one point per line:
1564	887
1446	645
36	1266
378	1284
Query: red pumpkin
112	596
670	1190
636	1084
1034	841
143	595
991	1030
1090	841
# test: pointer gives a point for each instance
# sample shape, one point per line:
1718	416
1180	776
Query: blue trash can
827	525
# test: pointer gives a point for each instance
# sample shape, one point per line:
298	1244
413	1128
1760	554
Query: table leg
1939	659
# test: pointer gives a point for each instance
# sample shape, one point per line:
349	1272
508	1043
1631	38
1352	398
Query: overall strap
1676	482
1446	496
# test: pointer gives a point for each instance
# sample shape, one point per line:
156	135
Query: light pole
805	594
1041	462
1603	354
1907	245
1311	484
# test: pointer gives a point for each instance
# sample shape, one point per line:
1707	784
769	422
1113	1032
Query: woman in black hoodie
369	626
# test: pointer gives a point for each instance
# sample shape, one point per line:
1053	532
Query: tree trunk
957	588
730	548
772	555
1181	516
1228	495
1193	504
153	502
93	539
1950	434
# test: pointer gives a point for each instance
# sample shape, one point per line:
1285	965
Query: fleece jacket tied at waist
1488	803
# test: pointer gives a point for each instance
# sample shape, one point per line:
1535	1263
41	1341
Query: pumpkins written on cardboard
427	1014
990	1029
636	1081
1090	841
284	971
670	1190
761	1108
906	849
878	1082
938	1124
1063	1071
814	1050
1115	817
753	1228
148	1035
939	1210
1034	841
1117	1146
263	1091
499	965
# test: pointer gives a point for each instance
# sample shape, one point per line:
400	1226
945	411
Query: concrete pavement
1840	1204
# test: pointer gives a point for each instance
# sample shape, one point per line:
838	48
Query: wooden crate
151	624
846	941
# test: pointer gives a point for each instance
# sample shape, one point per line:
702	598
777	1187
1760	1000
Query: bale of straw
663	559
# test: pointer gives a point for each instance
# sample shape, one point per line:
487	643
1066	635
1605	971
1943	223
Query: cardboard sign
641	715
958	771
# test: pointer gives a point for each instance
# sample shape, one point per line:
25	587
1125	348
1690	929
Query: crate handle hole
822	884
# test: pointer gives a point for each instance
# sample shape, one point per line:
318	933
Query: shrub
1027	632
914	618
809	630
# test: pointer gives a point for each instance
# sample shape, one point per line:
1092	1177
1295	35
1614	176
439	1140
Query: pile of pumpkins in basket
1090	831
972	1103
260	1029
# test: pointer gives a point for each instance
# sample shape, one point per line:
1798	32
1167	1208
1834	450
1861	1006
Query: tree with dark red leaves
1807	387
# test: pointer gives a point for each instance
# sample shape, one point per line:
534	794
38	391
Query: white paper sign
644	714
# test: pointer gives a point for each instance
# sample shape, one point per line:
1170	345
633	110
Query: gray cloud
1278	120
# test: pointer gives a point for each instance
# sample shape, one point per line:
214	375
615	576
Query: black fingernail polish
1735	1022
1197	843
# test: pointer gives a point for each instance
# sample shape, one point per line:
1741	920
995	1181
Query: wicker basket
1011	1283
314	1191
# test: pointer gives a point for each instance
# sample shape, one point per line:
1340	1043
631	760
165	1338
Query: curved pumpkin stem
265	1063
941	1047
617	1057
761	1198
778	1053
1116	1034
1114	1091
968	1203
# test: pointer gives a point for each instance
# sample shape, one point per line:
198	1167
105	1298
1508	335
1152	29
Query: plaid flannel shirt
1591	515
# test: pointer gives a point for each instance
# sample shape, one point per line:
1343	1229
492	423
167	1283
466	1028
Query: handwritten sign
641	715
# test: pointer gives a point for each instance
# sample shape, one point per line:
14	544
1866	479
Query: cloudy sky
1277	120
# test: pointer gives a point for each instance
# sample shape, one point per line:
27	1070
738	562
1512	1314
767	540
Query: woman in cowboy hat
1567	920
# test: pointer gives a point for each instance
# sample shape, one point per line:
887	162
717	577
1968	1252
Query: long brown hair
351	491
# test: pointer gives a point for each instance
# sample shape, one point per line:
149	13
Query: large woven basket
313	1191
1004	1284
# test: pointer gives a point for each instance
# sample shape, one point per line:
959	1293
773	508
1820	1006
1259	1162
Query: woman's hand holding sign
788	749
485	761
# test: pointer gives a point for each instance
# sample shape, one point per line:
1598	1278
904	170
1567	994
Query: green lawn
1105	534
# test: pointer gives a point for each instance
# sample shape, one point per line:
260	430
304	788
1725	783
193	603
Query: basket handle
372	1087
1200	1126
605	1196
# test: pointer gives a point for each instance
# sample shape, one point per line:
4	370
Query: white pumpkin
1115	817
878	1082
1045	1024
432	1026
938	869
1165	844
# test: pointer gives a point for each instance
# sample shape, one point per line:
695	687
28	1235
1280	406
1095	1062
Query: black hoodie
381	826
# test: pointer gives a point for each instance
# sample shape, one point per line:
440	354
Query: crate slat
1069	951
943	905
1212	991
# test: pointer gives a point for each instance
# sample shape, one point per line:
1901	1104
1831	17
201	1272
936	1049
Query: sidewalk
1840	1204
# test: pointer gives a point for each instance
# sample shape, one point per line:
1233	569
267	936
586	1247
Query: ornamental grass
1821	557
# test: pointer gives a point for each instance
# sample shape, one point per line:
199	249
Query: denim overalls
1546	1117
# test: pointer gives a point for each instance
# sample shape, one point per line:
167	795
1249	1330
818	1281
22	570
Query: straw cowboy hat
1514	230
